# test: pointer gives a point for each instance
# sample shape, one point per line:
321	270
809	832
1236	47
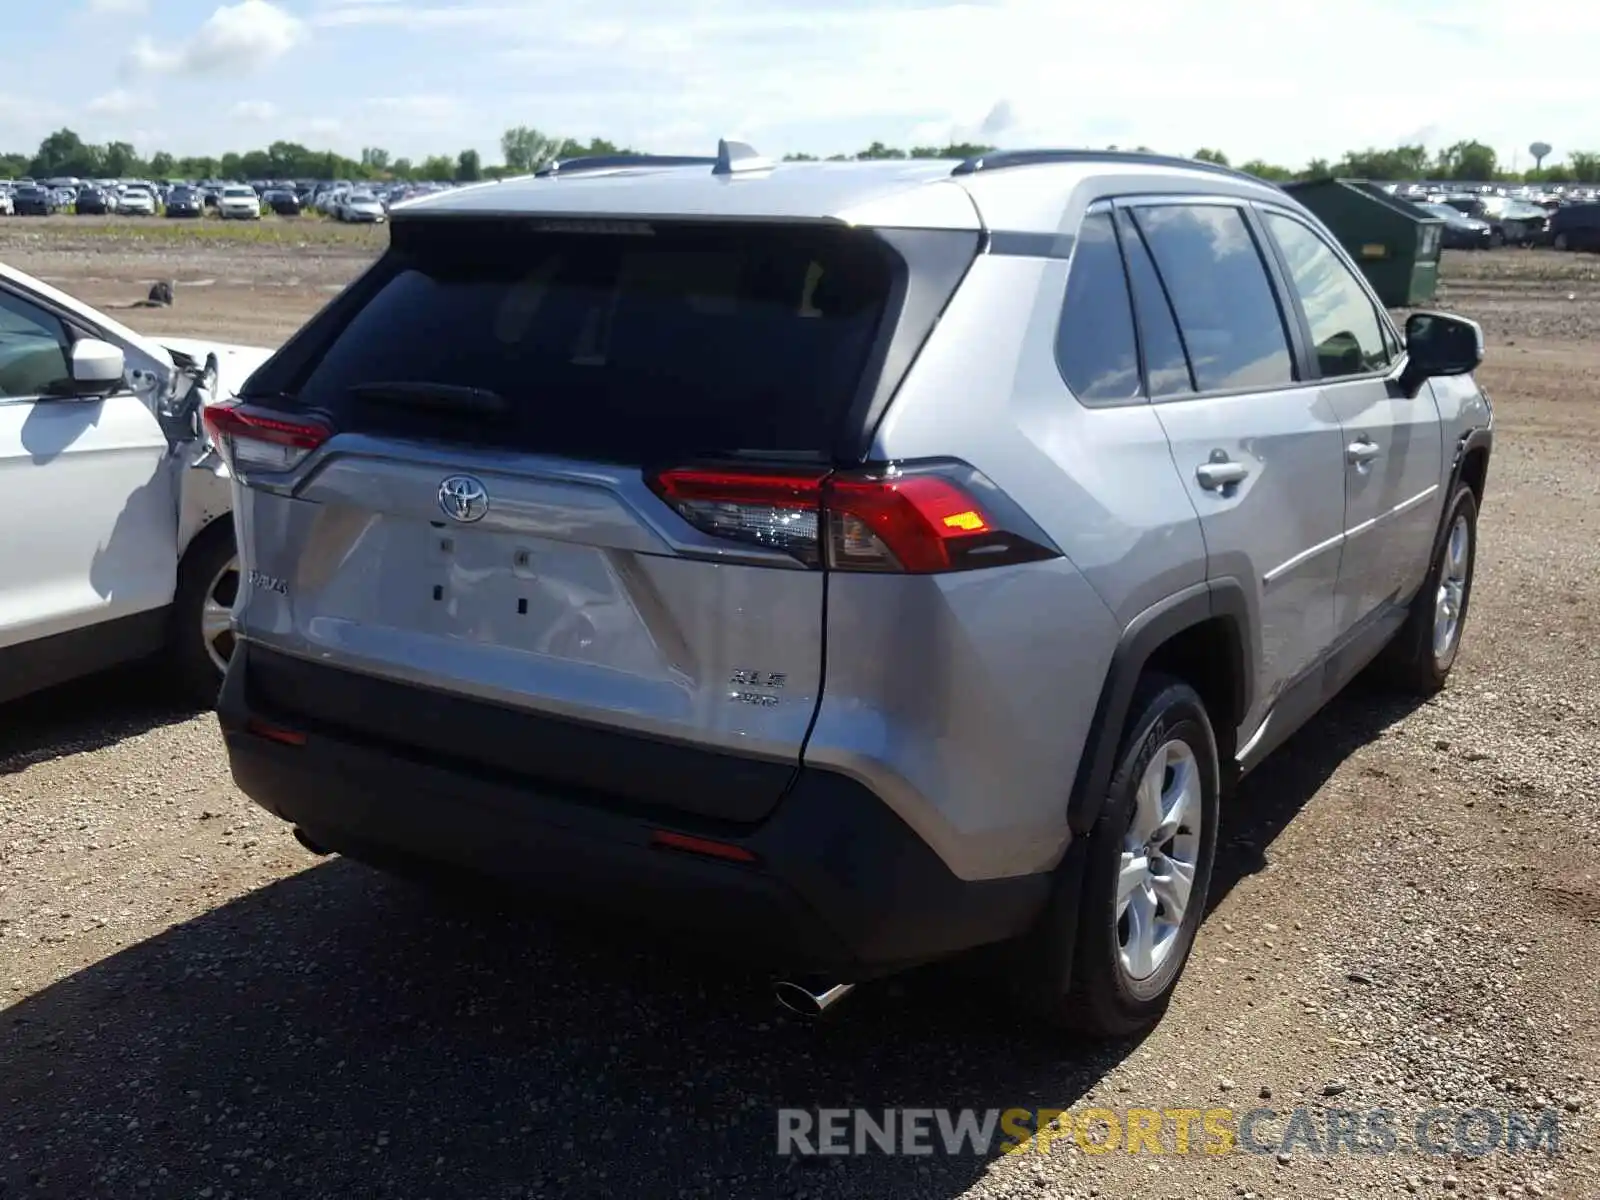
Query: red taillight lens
775	509
908	524
249	438
915	520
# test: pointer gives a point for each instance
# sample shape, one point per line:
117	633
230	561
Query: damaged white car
116	535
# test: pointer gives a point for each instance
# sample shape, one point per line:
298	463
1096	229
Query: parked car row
343	200
1473	223
89	197
1488	216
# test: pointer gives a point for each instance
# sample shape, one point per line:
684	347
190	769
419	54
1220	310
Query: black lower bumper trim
840	886
618	769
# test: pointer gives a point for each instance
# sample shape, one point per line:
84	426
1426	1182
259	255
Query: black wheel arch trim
1223	598
1479	437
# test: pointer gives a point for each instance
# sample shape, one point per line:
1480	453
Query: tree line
523	149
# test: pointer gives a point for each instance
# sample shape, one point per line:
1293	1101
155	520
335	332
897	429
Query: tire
1419	658
1497	239
1560	242
1114	990
208	578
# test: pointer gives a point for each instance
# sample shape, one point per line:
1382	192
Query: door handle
1362	451
1220	473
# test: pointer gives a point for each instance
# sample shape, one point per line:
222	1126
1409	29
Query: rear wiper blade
445	397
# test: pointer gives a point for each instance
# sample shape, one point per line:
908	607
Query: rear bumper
840	885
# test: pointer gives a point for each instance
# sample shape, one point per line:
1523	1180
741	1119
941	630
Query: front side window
1346	332
1095	344
33	350
1218	286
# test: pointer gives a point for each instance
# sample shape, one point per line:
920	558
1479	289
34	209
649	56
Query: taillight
250	438
909	519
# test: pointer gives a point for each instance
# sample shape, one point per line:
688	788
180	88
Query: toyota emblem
463	498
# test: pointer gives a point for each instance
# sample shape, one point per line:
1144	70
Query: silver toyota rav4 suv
851	564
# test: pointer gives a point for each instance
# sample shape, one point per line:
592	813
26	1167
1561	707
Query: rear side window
658	342
1219	289
1095	345
1345	330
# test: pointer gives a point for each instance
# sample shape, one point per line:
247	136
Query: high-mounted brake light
252	439
911	519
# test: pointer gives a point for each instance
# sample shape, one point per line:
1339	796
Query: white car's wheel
201	638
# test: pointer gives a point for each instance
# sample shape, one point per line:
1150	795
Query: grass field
307	229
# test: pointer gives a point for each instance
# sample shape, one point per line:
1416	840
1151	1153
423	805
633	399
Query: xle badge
768	681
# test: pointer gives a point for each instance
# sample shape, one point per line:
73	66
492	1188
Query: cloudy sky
1285	80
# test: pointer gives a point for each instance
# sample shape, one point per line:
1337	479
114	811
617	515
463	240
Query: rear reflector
251	439
698	845
912	519
275	733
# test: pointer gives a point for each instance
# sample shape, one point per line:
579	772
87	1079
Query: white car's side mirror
97	367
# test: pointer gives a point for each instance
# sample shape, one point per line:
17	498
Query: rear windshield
632	344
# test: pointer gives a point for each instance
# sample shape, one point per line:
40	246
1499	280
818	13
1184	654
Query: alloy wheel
1160	854
216	610
1450	599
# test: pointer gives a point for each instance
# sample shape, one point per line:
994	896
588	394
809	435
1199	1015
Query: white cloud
235	38
254	110
1255	78
800	74
428	111
119	102
118	8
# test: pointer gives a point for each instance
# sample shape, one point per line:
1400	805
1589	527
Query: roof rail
997	159
605	162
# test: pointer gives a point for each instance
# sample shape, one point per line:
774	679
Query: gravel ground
1408	916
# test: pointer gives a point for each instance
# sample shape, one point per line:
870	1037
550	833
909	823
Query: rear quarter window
1095	344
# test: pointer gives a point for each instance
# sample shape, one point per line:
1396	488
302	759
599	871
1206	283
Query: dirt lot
1408	910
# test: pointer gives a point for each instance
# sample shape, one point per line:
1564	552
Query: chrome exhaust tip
808	1001
301	837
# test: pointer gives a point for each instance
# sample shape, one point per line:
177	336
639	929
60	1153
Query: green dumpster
1395	244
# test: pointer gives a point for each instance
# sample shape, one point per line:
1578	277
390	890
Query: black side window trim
1127	227
1312	369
